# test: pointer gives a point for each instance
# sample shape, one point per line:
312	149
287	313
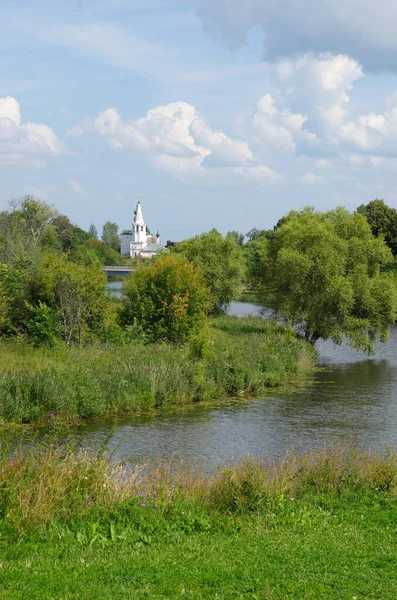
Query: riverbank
315	526
237	357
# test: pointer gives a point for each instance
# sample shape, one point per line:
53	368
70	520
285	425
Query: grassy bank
318	526
239	356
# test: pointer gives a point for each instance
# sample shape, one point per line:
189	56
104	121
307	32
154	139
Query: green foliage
222	262
22	228
382	220
93	231
167	298
69	235
72	524
235	356
321	272
43	326
110	235
77	293
238	237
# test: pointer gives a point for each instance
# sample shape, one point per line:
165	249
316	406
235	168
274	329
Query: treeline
52	285
327	274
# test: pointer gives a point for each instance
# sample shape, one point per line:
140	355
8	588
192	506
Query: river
351	397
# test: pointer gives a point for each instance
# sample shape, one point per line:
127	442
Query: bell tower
139	235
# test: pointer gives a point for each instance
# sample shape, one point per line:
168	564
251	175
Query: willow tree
321	273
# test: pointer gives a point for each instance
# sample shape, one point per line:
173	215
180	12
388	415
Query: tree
22	227
239	237
94	251
383	221
75	293
93	232
222	262
110	235
167	298
321	272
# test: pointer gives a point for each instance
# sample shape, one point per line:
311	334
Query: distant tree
65	231
96	250
22	227
383	221
76	295
69	234
254	233
321	272
110	235
93	231
239	237
222	262
167	298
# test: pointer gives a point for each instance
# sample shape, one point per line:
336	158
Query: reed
48	483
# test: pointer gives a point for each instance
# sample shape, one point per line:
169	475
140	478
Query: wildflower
143	504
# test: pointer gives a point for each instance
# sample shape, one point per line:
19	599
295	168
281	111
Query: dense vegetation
222	261
317	526
321	272
74	525
167	299
234	357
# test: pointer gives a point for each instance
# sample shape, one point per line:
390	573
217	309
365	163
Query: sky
217	113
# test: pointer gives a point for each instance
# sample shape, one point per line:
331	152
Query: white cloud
77	188
23	142
180	141
316	117
318	87
364	30
279	128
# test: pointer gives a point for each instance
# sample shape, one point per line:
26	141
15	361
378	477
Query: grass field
320	526
234	357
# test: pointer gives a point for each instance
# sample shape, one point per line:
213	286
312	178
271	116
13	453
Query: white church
136	242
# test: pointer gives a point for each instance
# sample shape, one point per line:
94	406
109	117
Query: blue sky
218	113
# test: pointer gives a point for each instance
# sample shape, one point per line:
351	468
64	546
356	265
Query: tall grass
49	483
238	356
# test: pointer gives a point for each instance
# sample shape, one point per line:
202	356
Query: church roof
126	232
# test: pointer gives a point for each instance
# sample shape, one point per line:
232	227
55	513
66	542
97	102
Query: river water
352	397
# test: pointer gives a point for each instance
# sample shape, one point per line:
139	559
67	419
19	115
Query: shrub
167	298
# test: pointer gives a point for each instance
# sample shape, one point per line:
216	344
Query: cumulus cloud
319	87
364	30
23	142
181	142
279	128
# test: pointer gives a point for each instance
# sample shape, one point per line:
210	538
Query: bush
167	298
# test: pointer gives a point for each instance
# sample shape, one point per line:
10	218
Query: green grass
320	526
237	357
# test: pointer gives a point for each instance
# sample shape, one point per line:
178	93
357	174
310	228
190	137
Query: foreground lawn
321	525
322	547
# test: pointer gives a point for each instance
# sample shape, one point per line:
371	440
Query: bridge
117	270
